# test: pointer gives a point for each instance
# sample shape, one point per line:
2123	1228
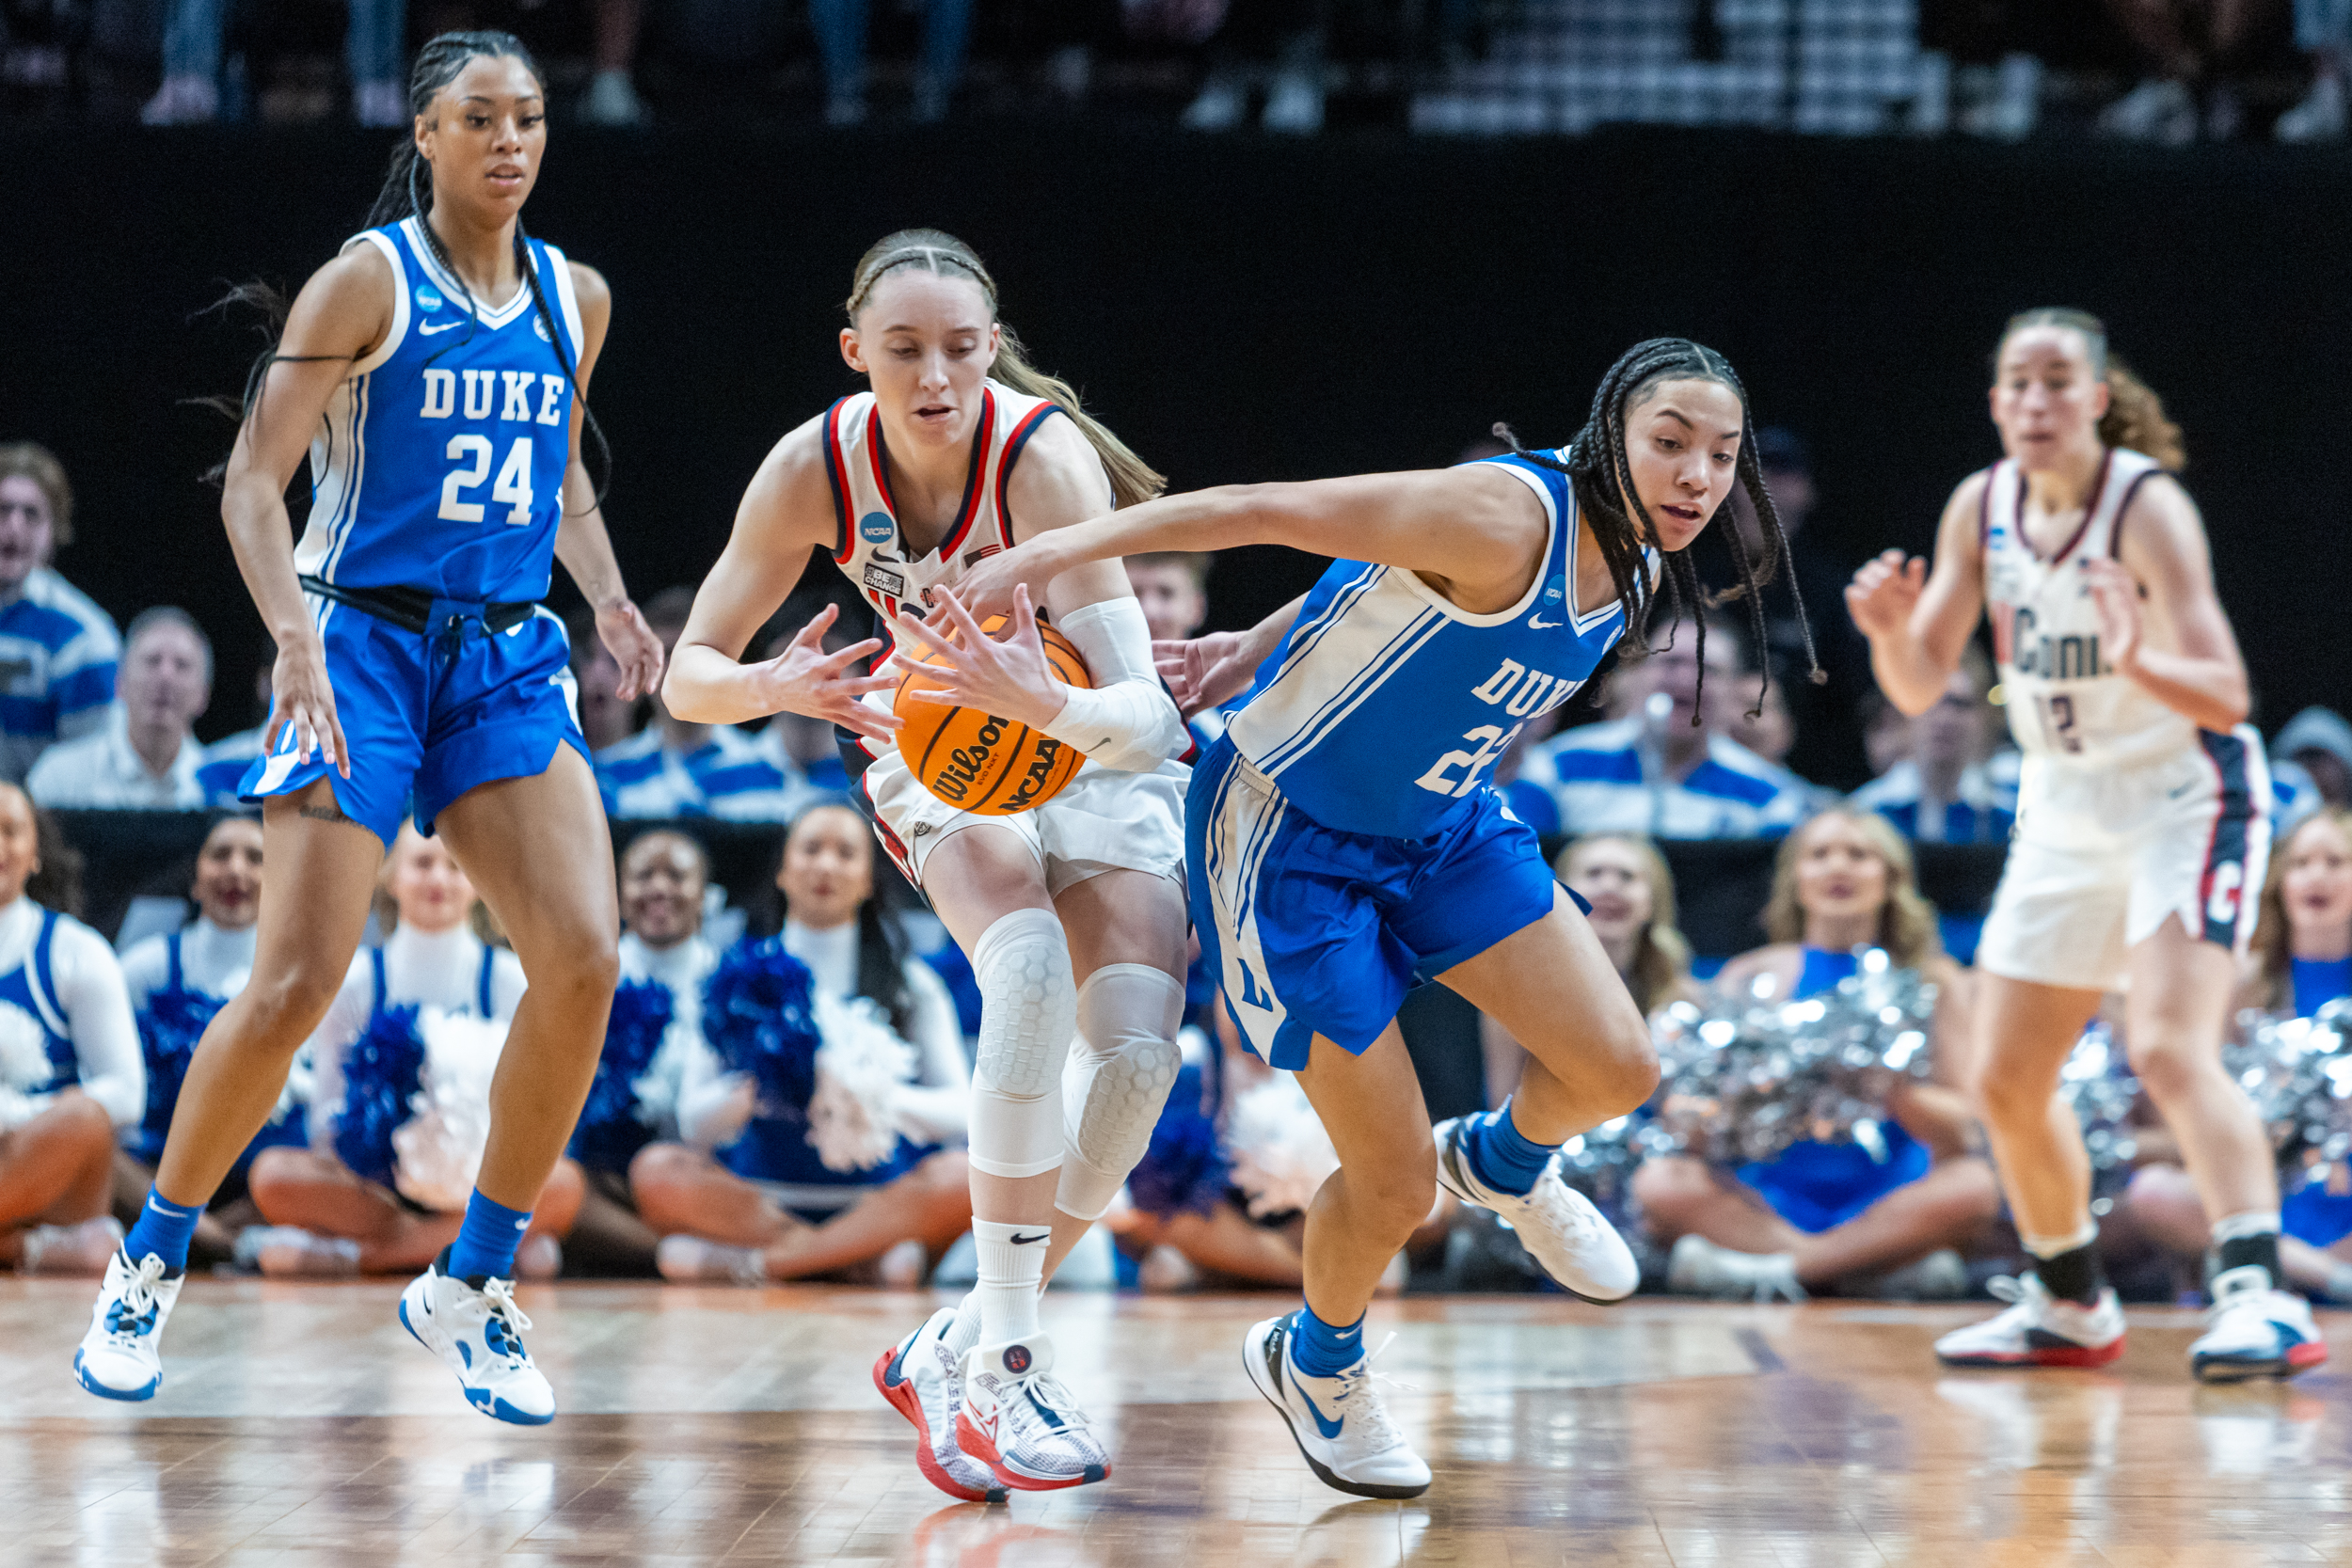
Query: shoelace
138	1302
499	1294
1048	1390
1361	1378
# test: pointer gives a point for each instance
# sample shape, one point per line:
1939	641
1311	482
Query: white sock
2246	1226
1011	1275
965	1331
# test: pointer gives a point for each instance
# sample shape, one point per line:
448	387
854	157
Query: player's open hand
2115	595
987	586
806	679
301	695
633	646
1009	679
1884	592
1202	671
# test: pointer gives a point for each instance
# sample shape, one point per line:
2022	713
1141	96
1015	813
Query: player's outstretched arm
1918	620
1202	671
2202	677
786	514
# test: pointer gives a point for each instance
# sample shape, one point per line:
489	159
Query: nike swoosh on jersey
427	329
1536	623
1330	1429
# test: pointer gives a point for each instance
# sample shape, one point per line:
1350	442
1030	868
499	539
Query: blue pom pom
382	1074
611	1131
169	1026
760	1019
1185	1170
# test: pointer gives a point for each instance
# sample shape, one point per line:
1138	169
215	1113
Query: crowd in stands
2169	71
783	1083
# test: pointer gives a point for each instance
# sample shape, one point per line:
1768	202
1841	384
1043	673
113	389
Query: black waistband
411	609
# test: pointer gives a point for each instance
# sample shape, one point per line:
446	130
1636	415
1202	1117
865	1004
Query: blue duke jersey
442	459
1386	707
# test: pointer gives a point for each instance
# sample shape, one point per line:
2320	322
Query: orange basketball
975	760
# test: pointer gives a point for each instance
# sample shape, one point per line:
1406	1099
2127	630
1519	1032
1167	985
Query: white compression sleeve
1117	1079
1127	720
1028	1011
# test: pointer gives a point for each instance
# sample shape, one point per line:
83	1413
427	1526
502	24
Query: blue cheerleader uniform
172	1016
2314	1211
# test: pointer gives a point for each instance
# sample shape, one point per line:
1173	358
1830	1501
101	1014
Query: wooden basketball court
299	1425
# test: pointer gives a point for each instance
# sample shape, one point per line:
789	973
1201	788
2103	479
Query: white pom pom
860	1069
1281	1154
23	1050
439	1149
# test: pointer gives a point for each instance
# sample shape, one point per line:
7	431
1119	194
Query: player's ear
2101	400
849	351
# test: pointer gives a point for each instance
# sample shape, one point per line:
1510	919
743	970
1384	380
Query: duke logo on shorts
1346	835
437	489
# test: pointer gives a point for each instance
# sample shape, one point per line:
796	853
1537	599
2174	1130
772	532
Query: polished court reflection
299	1425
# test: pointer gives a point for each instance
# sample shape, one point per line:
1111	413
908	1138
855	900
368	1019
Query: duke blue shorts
1315	931
429	715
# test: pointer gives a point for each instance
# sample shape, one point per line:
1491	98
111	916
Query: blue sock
1502	1156
485	1243
1320	1350
164	1228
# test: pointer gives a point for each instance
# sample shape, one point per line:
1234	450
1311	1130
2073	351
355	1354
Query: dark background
1246	308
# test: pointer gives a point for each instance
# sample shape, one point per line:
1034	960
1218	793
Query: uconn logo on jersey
2020	645
1519	694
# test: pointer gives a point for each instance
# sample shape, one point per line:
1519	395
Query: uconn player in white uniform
435	372
1345	837
1073	913
2142	830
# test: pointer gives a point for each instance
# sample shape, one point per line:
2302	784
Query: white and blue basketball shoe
923	1380
1559	1226
476	1329
1019	1421
2253	1330
118	1358
1339	1423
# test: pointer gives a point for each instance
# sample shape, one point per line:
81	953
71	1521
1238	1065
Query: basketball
978	761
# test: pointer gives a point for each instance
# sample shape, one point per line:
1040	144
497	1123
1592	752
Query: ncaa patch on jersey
429	298
876	527
539	324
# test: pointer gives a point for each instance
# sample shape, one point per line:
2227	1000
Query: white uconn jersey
869	549
2065	703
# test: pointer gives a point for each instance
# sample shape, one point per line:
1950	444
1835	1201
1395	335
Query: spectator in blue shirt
1653	771
57	650
675	768
1942	791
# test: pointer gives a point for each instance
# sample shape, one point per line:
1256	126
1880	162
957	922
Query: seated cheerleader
1823	1212
834	1066
2301	961
177	981
1631	894
654	1027
383	1187
69	1072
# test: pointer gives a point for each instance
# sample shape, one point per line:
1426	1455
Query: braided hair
408	192
1597	465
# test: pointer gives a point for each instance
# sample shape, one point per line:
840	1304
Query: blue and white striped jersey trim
732	776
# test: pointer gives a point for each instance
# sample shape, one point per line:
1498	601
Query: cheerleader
1823	1212
382	1188
177	981
2143	829
1073	914
654	1030
69	1072
770	1204
2301	961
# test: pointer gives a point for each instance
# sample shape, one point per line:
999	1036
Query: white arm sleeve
98	1014
1127	720
705	1116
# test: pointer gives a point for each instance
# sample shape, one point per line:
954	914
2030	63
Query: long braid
562	355
1600	466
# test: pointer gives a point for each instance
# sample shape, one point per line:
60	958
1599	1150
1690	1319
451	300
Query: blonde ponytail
2135	419
1132	479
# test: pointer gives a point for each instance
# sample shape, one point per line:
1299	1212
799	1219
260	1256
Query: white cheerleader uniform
1105	819
2128	813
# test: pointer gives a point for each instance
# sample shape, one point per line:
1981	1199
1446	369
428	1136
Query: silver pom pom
2102	1093
2299	1072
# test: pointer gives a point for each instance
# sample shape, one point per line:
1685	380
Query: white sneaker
1558	1225
477	1332
1019	1421
1698	1267
923	1380
2037	1330
691	1260
2254	1329
290	1252
1341	1426
83	1249
118	1358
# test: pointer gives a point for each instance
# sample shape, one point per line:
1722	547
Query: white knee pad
1117	1080
1028	1009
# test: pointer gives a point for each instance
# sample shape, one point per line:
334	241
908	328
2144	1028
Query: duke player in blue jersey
1345	838
437	372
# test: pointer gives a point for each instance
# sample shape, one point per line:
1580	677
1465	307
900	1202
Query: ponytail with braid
408	192
1599	468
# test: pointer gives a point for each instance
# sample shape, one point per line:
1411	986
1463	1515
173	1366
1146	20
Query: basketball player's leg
1367	1209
